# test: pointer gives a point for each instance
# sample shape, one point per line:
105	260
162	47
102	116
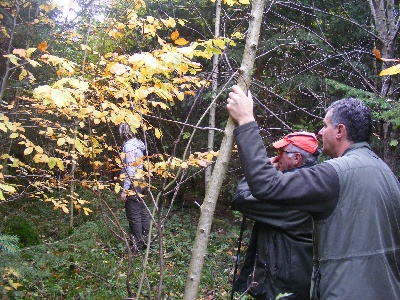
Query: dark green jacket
359	243
279	255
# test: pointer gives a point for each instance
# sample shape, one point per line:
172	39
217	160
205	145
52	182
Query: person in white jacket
136	212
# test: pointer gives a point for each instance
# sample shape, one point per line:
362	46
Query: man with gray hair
354	199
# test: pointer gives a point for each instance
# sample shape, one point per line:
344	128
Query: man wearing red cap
295	150
354	199
279	257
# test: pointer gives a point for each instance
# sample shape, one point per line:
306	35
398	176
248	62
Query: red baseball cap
304	140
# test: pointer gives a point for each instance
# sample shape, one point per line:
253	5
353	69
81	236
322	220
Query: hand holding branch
240	106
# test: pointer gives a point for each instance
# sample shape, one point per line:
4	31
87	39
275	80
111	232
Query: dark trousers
139	221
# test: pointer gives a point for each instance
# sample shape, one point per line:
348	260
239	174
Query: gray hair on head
125	132
309	159
355	115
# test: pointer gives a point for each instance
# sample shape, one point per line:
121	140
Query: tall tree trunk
387	28
215	71
207	209
9	48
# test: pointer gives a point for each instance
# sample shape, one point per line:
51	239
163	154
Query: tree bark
387	29
215	71
199	250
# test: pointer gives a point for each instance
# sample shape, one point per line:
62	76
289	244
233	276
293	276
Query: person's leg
145	220
133	215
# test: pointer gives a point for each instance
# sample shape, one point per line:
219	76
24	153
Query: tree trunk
9	50
207	209
215	71
386	29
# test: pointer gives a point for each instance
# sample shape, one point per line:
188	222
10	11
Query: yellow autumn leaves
106	90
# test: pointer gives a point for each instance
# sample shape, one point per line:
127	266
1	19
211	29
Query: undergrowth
90	263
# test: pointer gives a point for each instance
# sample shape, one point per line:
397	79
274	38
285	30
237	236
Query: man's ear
341	131
298	160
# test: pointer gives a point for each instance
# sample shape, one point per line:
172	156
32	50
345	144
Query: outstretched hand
240	106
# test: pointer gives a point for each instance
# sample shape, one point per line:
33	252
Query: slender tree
214	79
213	188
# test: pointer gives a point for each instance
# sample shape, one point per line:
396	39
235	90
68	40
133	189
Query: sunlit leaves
169	166
7	188
110	89
53	97
169	22
133	120
48	7
178	41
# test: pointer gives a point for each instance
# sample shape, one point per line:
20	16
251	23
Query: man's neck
342	147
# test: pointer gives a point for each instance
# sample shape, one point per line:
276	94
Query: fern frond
9	243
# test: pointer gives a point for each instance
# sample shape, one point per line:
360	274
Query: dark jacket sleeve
314	189
261	211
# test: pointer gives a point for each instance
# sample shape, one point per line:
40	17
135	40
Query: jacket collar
356	146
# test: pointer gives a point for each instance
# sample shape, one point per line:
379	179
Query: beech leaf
43	47
117	188
118	69
79	146
58	98
60	164
52	162
158	133
7	188
28	150
174	35
60	141
181	42
20	52
390	71
169	23
133	120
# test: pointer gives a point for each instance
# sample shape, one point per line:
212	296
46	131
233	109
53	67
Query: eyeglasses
281	151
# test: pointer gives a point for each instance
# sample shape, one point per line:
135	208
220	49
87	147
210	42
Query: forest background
71	73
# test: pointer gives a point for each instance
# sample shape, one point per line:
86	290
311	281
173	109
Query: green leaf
79	146
394	143
282	295
52	162
13	59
